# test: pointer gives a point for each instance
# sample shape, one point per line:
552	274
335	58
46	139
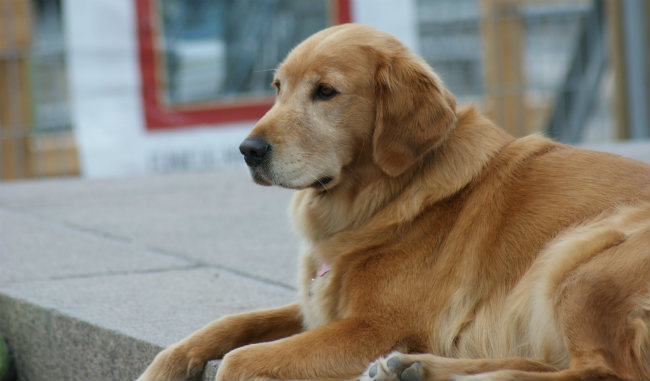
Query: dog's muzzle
255	150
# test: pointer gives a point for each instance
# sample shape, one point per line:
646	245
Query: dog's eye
276	84
325	92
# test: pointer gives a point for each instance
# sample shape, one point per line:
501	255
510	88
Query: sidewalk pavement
97	276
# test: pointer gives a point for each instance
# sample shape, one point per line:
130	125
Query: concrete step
97	276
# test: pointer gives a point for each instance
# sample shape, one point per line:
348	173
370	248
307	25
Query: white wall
393	16
104	74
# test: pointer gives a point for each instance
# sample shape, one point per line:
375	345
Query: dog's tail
637	358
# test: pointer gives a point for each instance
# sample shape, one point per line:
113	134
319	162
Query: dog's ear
415	112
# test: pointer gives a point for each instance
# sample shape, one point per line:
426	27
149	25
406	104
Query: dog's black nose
254	151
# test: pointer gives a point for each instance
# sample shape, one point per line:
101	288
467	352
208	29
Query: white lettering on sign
193	159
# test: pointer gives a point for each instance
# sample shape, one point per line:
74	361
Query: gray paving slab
98	276
220	218
33	249
158	307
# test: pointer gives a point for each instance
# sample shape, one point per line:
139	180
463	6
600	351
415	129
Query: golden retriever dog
435	246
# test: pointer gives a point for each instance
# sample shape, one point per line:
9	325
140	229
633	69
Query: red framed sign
206	63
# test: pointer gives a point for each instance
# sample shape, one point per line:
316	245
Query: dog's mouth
322	182
261	177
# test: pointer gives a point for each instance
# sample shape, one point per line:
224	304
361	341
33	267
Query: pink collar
324	269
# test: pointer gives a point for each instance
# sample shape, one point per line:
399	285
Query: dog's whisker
320	183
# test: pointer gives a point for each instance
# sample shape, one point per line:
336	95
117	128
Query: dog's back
569	233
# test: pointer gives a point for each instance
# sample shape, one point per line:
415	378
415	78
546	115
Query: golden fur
476	254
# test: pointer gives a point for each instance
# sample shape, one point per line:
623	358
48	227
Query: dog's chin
321	184
259	178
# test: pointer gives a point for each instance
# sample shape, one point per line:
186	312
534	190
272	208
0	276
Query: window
211	61
49	80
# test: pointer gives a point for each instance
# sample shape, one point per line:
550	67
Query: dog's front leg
339	350
187	358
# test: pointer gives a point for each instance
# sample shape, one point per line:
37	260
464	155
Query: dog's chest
317	300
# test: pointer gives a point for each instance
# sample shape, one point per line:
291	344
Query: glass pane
49	82
227	49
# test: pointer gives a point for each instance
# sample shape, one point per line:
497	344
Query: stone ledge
50	345
98	276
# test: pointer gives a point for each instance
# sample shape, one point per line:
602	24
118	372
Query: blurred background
106	88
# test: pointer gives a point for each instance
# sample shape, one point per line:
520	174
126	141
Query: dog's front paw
245	363
395	366
172	364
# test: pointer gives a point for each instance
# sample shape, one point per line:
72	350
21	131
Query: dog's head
344	94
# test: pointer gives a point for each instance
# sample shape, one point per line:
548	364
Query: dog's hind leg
421	367
603	309
416	367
